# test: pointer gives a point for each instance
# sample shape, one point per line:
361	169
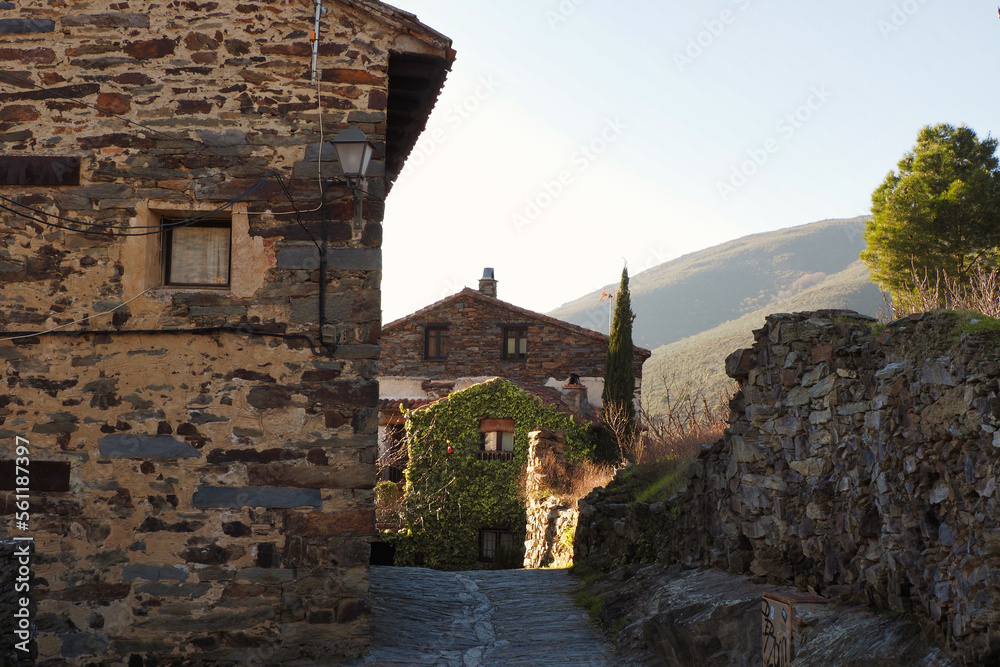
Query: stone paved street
488	617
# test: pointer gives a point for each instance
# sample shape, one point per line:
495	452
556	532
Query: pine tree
939	212
619	373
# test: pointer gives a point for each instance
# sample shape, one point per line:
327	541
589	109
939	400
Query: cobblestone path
480	618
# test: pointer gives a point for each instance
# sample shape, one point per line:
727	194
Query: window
196	255
515	343
435	342
496	440
496	544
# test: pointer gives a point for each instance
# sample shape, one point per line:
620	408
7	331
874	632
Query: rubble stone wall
861	464
551	521
202	465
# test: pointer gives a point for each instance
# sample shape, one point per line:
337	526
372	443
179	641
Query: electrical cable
156	228
319	111
358	188
298	216
195	330
227	328
68	324
119	230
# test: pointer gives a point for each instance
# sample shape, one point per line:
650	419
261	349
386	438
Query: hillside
701	290
699	360
695	310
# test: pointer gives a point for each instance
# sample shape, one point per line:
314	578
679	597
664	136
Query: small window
196	255
495	544
496	440
515	343
436	342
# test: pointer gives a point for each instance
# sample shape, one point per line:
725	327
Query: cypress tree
619	374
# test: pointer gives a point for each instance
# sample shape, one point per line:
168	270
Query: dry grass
668	442
587	476
980	293
689	418
569	482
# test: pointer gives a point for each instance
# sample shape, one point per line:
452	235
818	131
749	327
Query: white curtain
200	256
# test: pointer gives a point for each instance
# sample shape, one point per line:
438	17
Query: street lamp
354	152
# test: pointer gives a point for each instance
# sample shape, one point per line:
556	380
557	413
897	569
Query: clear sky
573	135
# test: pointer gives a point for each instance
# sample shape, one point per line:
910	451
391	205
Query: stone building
472	336
464	502
197	390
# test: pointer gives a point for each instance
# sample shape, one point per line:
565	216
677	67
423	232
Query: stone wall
862	465
551	518
202	459
474	337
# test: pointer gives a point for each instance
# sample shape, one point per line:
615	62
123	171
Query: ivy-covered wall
450	497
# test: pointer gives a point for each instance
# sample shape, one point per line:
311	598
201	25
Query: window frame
441	330
496	432
499	538
519	333
167	249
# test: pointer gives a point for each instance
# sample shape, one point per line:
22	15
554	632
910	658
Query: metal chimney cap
488	274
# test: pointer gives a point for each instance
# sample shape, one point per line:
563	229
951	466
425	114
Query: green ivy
450	497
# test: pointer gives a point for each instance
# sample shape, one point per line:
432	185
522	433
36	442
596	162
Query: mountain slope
698	361
702	290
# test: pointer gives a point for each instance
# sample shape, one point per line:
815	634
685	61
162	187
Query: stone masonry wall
551	520
860	465
475	338
202	464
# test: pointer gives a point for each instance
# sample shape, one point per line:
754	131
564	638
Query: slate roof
469	293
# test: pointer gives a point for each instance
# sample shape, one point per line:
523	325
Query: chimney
488	284
574	396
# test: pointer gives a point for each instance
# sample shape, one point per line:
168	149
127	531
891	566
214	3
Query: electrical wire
83	319
323	350
298	216
319	152
156	228
358	188
319	158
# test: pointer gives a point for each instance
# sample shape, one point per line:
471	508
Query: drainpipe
315	39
